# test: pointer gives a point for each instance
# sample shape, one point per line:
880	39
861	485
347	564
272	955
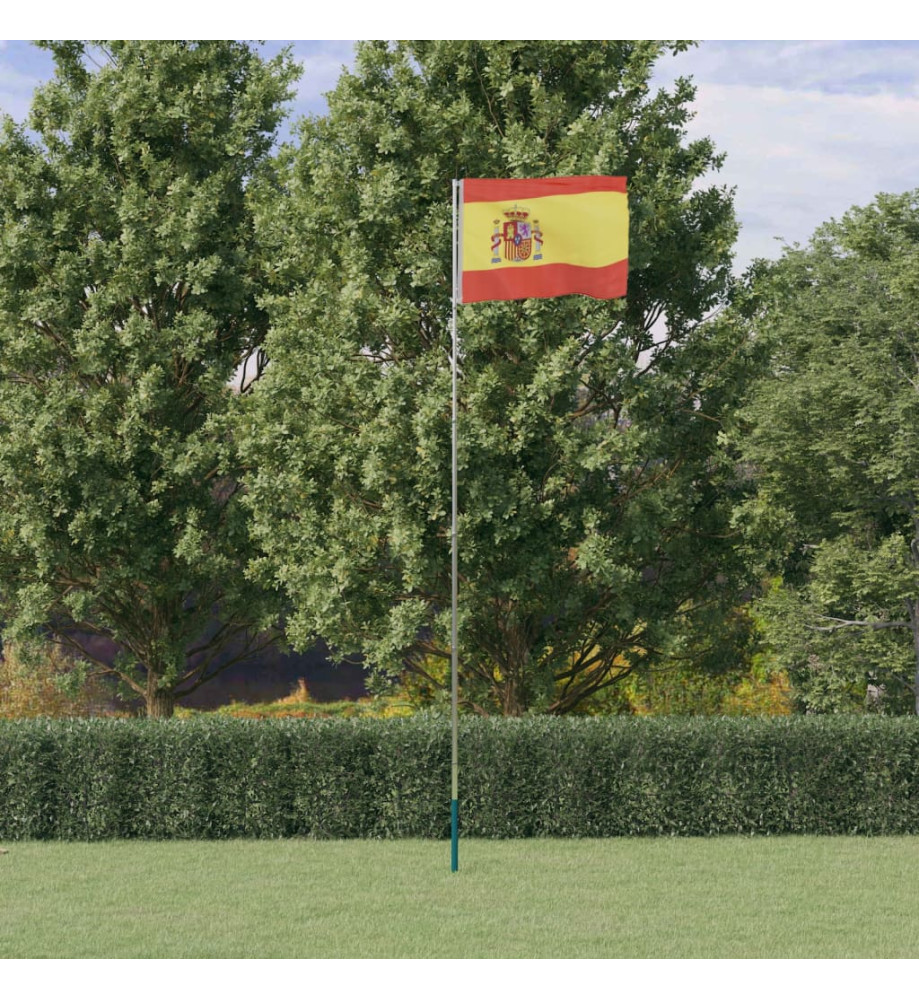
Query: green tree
128	287
832	433
593	523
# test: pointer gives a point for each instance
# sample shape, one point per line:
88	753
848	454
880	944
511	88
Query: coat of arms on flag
520	234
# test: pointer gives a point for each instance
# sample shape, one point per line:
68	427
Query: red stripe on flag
546	282
505	189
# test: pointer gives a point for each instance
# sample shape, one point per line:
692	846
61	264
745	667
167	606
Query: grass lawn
729	897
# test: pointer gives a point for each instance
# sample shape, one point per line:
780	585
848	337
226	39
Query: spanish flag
536	239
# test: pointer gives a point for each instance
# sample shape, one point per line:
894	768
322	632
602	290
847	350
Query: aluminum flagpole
454	660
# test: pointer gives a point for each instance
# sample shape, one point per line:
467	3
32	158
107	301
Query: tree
128	287
592	531
832	434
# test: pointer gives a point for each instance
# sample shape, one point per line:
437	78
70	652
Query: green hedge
588	777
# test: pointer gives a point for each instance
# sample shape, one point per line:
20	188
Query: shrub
45	683
757	689
529	777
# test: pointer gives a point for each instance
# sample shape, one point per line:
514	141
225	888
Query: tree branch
849	623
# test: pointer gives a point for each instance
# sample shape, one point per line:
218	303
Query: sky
809	128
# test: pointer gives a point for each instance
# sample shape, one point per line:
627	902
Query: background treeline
224	396
218	778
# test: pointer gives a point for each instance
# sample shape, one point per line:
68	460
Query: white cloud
799	158
809	128
833	67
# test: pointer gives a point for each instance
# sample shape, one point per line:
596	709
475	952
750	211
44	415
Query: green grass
790	897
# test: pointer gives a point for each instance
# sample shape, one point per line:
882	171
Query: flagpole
454	660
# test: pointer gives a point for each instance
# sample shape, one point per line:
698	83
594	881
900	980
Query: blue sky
809	128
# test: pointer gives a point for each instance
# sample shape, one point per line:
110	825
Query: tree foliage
593	496
128	288
832	433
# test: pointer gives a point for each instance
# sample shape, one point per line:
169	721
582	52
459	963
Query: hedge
530	777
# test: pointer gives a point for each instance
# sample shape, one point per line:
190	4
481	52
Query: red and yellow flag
536	239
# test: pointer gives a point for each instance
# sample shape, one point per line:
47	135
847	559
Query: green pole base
454	835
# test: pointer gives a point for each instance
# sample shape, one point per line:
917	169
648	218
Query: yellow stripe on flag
589	229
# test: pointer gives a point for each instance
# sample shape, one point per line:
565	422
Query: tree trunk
160	703
512	689
510	702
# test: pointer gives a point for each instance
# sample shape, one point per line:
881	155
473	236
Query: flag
523	239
